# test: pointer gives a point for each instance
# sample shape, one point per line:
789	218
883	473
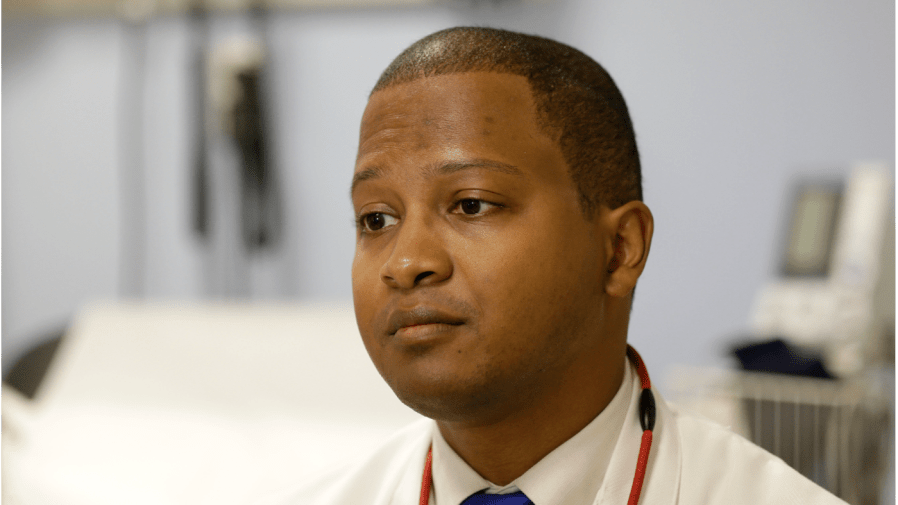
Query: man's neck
503	450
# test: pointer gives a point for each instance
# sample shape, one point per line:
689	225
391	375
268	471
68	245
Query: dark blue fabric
779	356
518	498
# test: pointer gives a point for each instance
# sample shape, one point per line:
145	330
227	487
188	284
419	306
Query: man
501	233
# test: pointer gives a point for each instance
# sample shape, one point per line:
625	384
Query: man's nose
419	257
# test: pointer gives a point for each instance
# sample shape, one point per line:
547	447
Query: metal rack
836	433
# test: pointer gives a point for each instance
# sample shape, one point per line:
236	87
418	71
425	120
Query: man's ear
633	226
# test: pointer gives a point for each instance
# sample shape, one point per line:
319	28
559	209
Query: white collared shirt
692	460
571	474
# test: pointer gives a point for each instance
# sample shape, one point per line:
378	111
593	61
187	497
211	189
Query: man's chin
448	400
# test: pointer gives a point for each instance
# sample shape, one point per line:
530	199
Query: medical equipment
834	289
234	74
834	299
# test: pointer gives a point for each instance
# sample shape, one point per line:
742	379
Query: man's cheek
365	272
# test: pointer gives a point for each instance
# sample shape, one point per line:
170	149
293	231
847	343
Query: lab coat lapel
407	487
662	479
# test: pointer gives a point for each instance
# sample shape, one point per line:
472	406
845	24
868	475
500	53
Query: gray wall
730	101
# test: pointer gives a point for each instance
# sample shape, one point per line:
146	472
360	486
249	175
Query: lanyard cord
646	420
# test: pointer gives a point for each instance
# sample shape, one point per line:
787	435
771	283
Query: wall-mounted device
236	71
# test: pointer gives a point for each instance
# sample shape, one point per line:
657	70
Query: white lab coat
692	461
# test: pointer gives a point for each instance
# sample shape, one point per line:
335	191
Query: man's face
477	280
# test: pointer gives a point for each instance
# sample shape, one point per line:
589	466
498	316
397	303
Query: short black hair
577	102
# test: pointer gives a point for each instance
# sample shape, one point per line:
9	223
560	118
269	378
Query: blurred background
169	161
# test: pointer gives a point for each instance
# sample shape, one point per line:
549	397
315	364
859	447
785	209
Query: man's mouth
421	320
422	331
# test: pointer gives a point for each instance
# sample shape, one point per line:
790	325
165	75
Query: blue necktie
518	498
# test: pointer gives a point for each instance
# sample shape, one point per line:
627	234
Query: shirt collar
571	474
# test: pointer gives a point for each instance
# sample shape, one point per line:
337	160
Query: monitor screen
812	227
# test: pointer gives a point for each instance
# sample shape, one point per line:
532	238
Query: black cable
200	177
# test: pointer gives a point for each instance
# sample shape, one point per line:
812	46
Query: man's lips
418	316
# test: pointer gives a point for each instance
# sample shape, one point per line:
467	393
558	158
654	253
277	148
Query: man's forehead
442	124
462	87
451	103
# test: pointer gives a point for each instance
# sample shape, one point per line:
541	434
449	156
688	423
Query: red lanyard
646	420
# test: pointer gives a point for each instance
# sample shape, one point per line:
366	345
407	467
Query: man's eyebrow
364	175
445	168
456	166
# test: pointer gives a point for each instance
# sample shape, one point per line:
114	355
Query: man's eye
472	206
376	221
